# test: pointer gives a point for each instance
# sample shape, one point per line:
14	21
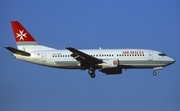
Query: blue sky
153	24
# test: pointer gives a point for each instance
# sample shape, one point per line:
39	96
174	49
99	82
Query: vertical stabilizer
24	40
22	36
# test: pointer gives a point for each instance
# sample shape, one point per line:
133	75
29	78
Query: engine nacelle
110	71
109	63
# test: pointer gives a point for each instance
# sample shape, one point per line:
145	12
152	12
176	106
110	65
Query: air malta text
133	52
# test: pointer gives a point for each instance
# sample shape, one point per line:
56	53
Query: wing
83	58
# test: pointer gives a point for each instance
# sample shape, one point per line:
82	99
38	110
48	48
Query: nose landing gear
156	68
154	73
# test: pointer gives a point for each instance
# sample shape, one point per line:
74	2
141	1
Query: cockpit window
162	54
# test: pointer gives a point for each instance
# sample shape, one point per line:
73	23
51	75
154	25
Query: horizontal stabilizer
16	51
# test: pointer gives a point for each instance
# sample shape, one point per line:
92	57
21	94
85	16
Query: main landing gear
92	73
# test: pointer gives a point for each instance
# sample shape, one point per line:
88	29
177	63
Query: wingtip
69	48
6	47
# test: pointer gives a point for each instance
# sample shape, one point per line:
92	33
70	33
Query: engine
109	71
110	66
109	63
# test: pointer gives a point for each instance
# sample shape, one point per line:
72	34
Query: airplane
108	61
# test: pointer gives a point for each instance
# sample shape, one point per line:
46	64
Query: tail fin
24	40
22	36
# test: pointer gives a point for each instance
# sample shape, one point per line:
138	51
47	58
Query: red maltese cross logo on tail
21	35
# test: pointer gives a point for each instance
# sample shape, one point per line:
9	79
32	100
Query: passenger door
150	55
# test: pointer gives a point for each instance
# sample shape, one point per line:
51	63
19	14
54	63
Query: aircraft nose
172	60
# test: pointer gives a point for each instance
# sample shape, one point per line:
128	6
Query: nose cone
168	61
171	61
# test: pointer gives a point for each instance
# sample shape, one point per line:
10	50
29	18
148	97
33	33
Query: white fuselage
128	58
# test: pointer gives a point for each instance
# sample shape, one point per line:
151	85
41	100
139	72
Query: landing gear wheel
91	73
154	73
